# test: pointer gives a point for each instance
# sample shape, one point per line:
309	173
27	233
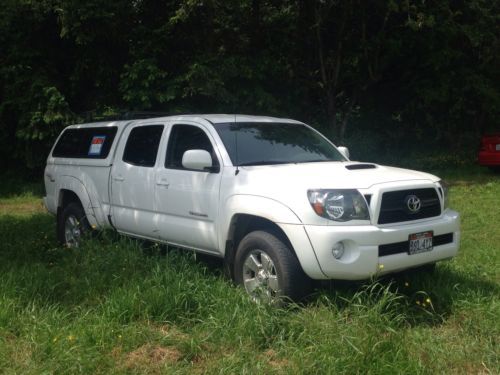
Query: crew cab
273	197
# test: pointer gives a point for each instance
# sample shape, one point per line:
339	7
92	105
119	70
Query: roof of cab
213	118
225	118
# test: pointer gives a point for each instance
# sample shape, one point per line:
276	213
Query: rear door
133	180
187	200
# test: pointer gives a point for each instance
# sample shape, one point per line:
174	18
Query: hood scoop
353	167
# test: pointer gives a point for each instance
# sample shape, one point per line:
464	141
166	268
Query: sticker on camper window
96	145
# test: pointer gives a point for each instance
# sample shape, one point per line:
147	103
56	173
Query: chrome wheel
260	277
72	231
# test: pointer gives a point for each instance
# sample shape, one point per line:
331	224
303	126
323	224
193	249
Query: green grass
115	306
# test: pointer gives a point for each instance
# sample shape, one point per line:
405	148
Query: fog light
338	250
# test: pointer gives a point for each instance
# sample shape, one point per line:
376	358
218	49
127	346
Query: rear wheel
268	270
72	225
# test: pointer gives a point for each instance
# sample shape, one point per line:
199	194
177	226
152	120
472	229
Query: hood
326	175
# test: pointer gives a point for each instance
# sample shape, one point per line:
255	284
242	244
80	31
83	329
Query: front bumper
361	259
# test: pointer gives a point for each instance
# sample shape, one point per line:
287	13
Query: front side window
184	138
142	145
256	143
85	143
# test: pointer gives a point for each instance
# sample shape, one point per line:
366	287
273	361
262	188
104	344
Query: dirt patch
164	330
152	356
20	352
21	208
116	352
170	331
276	362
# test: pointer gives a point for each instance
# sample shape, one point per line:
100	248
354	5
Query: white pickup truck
273	197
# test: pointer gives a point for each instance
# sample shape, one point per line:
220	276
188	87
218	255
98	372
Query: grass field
115	306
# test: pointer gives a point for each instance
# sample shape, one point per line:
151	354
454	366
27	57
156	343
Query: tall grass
120	306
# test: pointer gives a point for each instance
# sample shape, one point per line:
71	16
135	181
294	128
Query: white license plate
420	242
497	147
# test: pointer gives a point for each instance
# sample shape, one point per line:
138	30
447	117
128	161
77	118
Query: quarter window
184	138
85	143
142	145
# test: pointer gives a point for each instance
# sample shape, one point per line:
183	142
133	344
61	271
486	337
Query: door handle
118	178
162	182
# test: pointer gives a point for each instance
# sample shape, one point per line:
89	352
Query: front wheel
268	270
72	225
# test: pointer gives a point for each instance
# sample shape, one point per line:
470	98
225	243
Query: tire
72	225
268	269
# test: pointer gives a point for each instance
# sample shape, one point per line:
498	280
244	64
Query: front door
133	181
187	200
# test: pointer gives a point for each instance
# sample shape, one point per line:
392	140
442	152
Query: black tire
72	212
292	282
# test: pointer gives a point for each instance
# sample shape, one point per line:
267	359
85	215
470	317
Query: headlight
444	190
339	205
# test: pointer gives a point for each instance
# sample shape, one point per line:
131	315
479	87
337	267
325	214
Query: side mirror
344	151
199	160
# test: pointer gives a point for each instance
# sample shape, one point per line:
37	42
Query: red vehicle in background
489	153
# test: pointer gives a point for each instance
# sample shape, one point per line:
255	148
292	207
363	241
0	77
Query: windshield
254	143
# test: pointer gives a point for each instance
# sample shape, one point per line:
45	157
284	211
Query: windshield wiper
263	162
315	161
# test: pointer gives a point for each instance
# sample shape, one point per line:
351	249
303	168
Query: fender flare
75	185
278	213
255	205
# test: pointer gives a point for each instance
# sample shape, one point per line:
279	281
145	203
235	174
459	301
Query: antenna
236	148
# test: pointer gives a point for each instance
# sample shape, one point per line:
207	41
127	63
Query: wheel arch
70	190
260	213
242	224
66	197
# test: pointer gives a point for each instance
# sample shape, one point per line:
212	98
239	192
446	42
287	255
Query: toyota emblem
413	203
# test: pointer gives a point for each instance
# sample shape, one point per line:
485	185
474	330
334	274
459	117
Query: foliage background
391	79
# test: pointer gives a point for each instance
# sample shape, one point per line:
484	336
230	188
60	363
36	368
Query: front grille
394	208
402	247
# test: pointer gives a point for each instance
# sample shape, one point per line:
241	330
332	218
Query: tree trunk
332	115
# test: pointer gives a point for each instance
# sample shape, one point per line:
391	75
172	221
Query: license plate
420	242
497	147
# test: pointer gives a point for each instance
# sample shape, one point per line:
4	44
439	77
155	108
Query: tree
351	37
394	70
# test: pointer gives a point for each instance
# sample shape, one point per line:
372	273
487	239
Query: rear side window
142	145
184	138
85	143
